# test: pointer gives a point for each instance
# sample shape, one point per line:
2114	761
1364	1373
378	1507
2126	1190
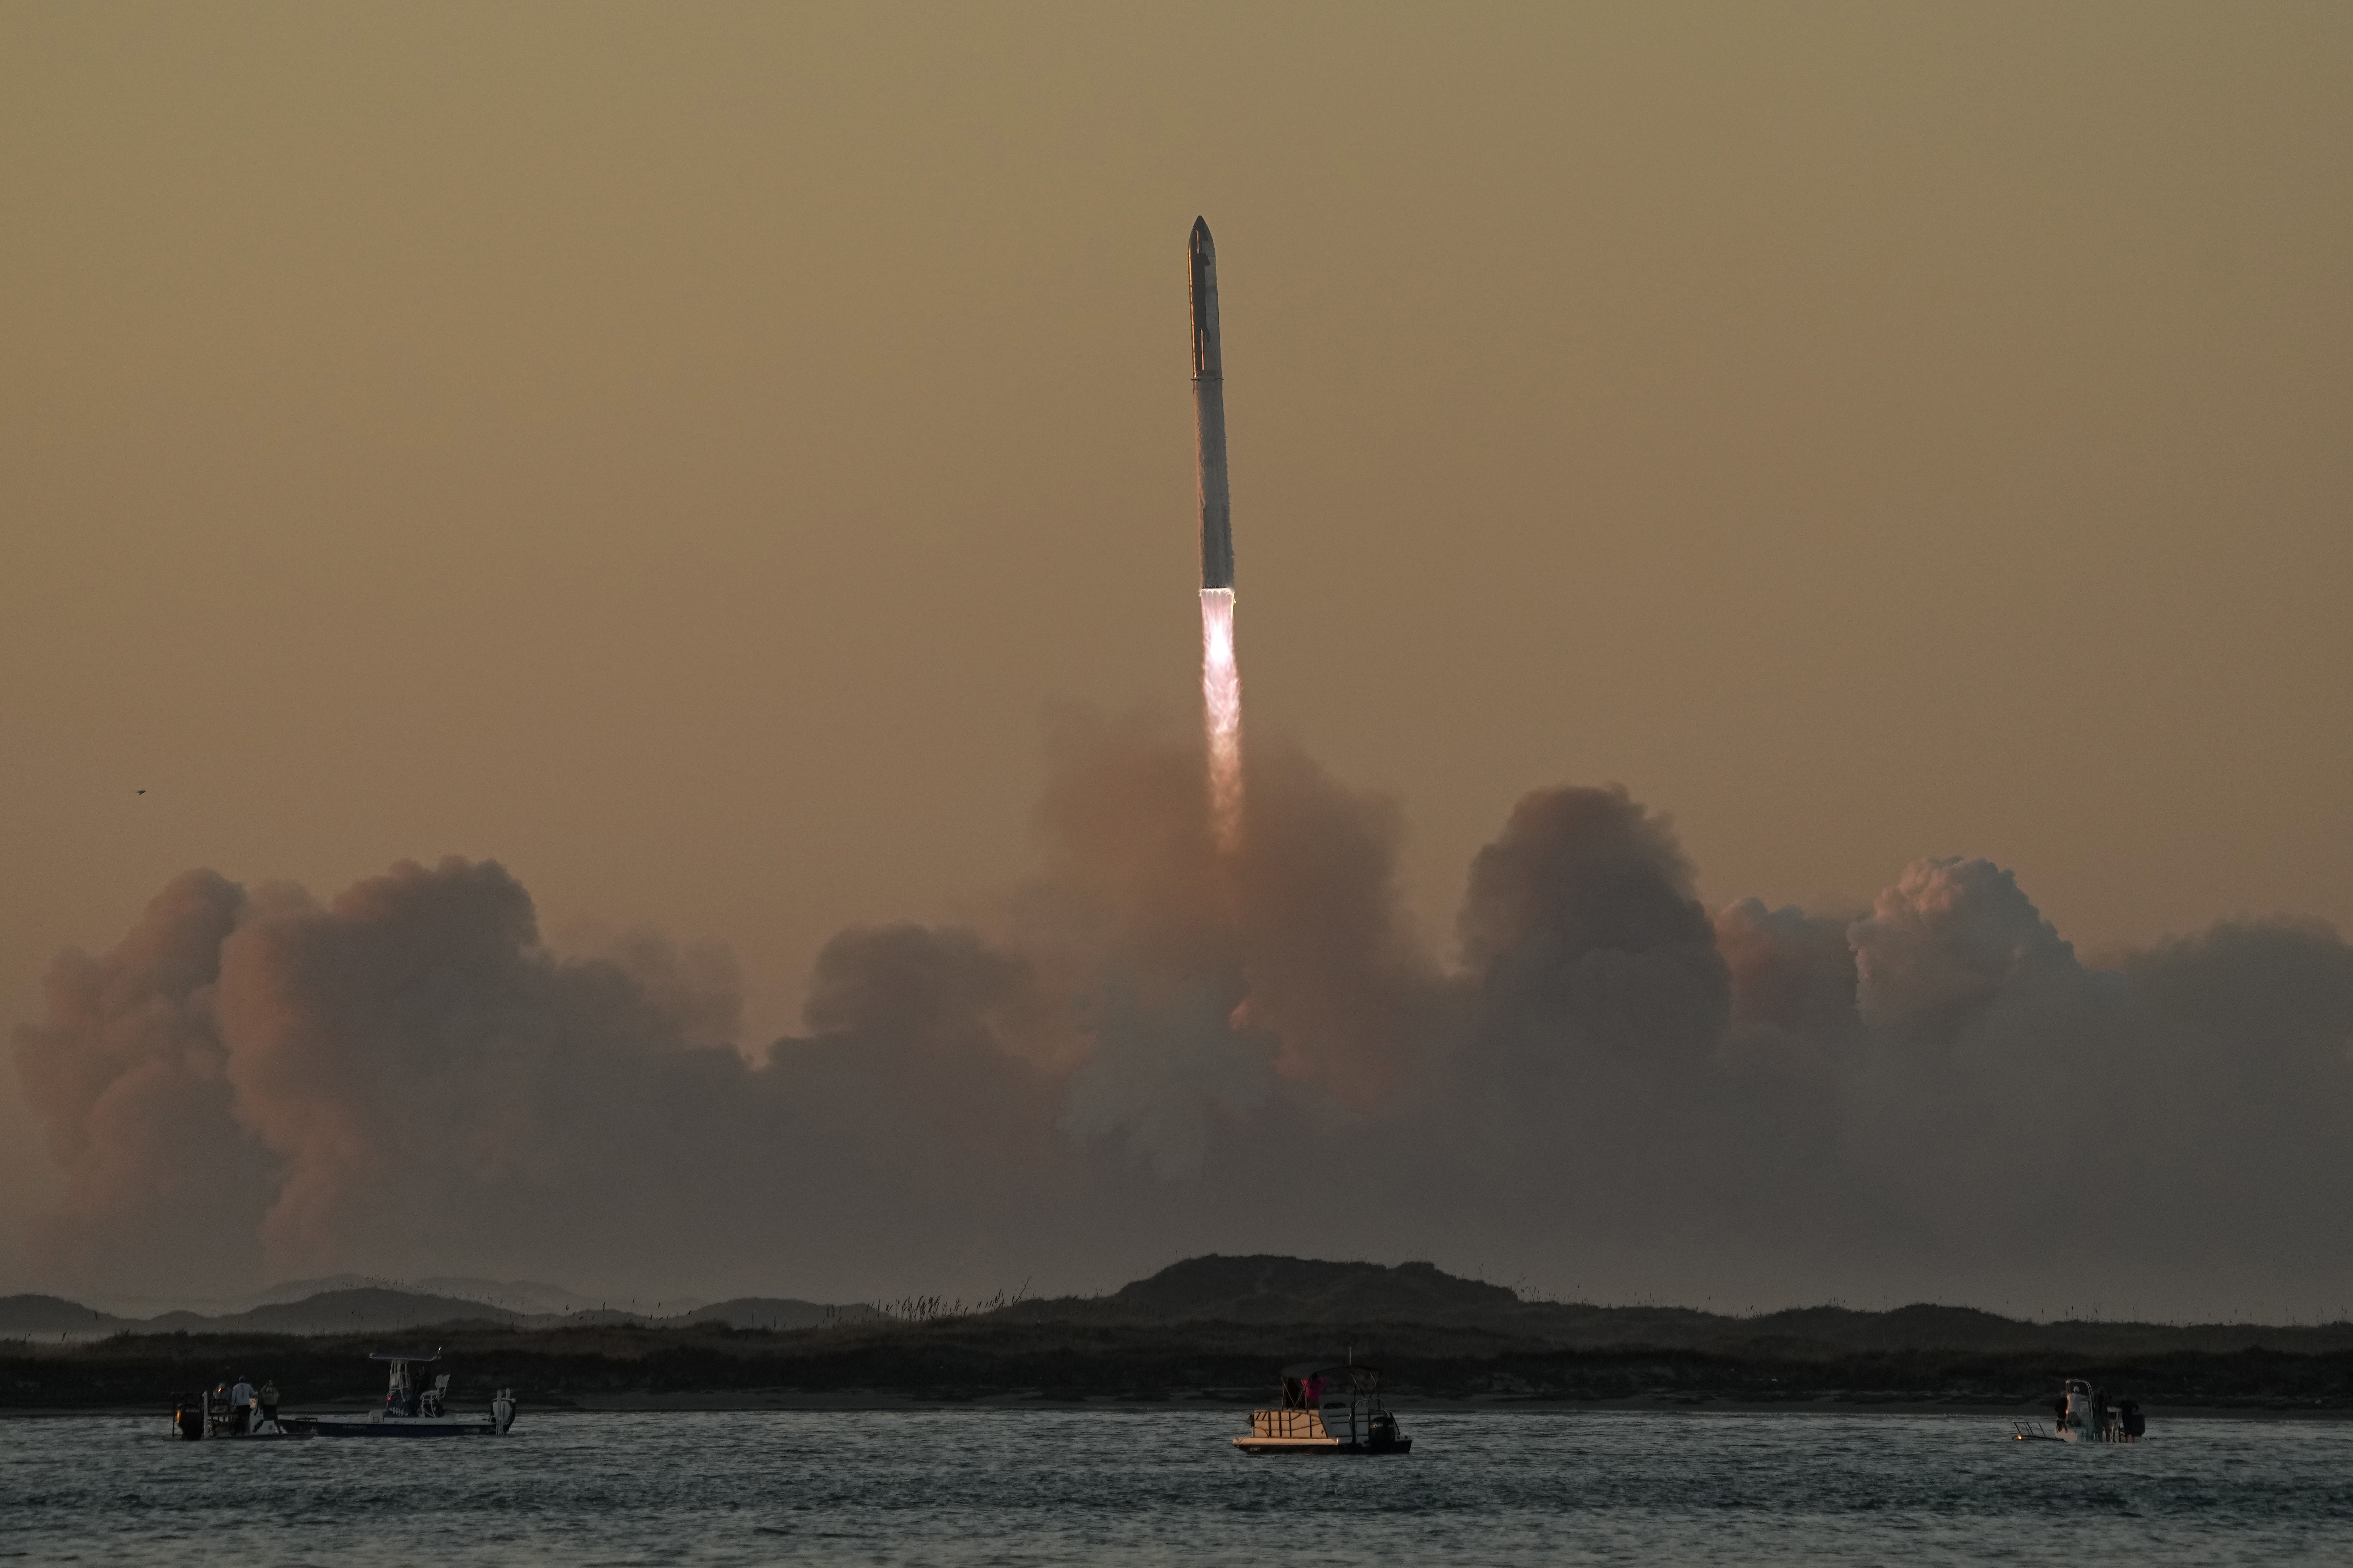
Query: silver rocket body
1210	417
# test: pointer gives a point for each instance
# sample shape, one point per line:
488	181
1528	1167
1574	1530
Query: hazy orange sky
684	452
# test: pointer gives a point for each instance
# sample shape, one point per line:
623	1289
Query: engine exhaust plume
1221	698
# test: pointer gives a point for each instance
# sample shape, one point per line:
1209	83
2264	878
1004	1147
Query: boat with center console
2085	1415
412	1409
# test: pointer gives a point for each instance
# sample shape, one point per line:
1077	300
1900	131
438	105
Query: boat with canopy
1328	1407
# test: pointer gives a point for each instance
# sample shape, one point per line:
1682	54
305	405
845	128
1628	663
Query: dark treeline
998	1355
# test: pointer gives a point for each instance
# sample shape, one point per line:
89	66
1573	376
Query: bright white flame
1221	695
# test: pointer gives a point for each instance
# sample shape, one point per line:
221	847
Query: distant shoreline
1012	1364
1211	1333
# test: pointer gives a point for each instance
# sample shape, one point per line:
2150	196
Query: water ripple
973	1488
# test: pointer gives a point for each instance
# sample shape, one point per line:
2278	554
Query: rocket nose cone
1200	242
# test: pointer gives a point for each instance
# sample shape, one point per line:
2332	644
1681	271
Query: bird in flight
142	791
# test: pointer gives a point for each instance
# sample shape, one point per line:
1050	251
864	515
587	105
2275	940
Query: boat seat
1287	1424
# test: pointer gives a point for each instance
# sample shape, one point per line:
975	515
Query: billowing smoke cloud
130	1076
1163	1045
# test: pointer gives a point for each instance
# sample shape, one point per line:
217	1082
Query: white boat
1328	1407
410	1409
2083	1414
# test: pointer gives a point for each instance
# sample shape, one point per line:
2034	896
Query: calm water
1002	1487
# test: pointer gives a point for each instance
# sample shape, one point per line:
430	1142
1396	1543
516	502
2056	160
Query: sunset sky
689	454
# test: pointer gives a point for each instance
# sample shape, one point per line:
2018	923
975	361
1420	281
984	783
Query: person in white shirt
241	1402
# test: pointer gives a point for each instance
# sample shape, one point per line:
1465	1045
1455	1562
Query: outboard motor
503	1410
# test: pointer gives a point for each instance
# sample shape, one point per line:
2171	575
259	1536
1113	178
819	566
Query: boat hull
2035	1434
291	1427
1319	1446
399	1426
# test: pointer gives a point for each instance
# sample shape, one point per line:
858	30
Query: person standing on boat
1314	1391
240	1405
269	1398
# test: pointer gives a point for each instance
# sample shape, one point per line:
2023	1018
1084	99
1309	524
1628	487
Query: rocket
1221	677
1209	415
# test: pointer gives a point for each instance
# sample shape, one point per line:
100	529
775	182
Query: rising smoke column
1221	681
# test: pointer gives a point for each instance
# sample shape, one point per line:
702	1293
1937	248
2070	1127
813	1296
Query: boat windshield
401	1391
